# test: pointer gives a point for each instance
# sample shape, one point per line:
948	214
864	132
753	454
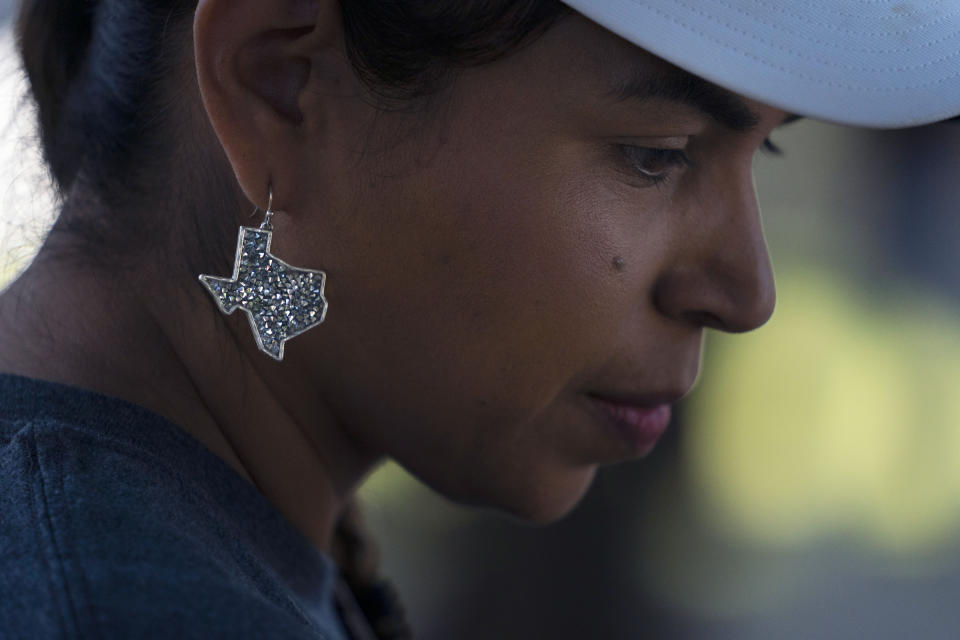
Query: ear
254	60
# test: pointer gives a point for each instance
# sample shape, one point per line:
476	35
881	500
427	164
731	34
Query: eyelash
666	159
670	159
771	148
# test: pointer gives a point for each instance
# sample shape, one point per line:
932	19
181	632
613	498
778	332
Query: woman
513	225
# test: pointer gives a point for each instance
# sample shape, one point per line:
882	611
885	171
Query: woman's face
523	245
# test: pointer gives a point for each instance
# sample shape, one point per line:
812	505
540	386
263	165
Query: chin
545	501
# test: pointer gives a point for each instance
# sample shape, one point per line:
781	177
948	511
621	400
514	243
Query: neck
178	358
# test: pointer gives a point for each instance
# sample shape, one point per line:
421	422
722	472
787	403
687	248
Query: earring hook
268	214
266	225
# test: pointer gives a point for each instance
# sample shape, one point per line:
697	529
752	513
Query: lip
640	421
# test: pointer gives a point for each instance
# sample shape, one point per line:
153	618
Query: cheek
518	279
479	303
474	310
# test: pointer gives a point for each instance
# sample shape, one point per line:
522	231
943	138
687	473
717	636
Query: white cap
874	63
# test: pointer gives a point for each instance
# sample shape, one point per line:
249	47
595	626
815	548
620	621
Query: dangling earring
281	301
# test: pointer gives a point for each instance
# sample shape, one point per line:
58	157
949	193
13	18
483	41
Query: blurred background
810	486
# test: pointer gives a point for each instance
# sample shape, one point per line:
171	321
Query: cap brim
882	63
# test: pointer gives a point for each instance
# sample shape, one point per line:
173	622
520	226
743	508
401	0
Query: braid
357	556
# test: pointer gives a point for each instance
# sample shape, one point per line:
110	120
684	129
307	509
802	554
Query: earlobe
253	62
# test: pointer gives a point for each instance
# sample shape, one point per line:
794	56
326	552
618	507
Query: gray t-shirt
114	523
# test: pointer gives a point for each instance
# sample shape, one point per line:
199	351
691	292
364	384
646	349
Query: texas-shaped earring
280	300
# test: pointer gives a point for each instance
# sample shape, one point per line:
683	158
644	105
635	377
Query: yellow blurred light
839	417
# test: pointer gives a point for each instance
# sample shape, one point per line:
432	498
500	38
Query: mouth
639	420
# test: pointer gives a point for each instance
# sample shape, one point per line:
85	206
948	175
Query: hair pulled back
95	66
100	73
103	76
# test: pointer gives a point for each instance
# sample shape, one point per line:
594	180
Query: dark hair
95	66
102	76
102	73
405	50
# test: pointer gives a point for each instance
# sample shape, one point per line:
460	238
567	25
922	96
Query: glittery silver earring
281	301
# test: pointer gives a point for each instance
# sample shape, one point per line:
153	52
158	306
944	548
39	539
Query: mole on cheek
619	263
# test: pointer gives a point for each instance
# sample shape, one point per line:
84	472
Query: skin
493	259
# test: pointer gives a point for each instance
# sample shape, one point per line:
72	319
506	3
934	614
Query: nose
720	274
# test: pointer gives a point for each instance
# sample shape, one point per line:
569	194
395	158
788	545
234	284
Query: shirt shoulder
101	536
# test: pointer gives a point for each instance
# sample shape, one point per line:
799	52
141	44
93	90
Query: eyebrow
683	87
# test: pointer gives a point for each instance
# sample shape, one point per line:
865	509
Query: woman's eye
652	164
